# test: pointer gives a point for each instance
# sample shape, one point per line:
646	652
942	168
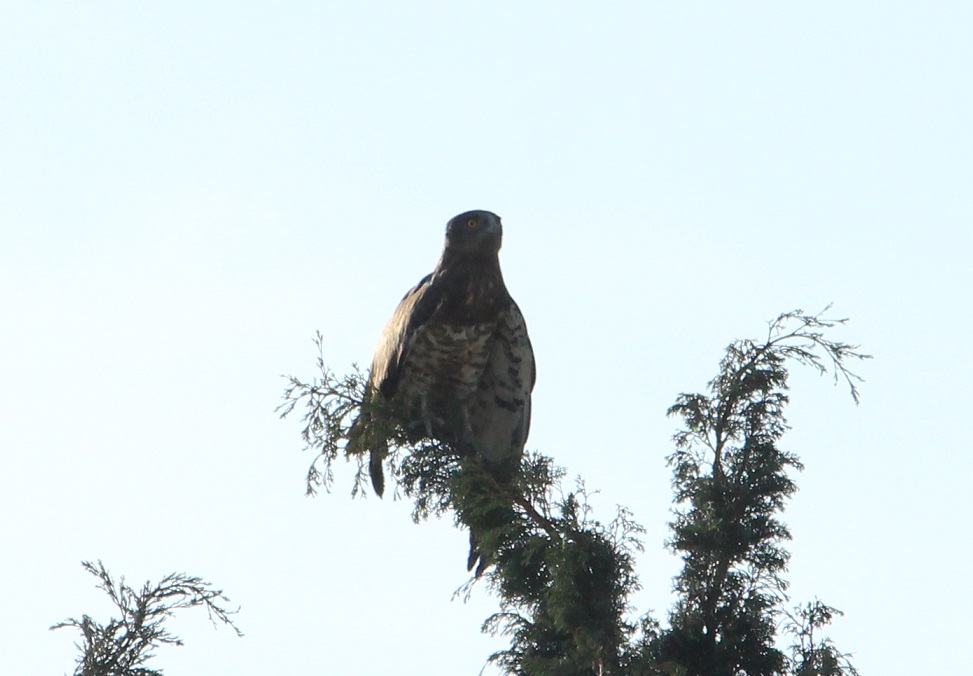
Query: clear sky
188	191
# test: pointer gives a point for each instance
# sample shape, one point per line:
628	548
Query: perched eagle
454	363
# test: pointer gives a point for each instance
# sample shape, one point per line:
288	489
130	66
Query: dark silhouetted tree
810	653
732	481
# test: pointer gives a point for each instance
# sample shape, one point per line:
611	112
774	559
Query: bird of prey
454	363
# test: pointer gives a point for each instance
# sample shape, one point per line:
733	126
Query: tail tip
377	474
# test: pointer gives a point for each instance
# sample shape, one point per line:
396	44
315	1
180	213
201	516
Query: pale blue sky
189	190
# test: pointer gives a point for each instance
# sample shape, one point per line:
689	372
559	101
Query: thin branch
119	647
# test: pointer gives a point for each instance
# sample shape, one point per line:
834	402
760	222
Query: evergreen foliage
122	646
564	578
731	482
811	655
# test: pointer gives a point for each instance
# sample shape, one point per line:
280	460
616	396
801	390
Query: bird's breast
447	360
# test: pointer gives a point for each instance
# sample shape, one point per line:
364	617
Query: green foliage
731	482
563	578
329	404
810	654
122	646
563	589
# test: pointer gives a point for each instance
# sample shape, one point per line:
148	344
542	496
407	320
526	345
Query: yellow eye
471	224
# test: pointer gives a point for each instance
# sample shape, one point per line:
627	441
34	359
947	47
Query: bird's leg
467	427
428	419
424	412
467	440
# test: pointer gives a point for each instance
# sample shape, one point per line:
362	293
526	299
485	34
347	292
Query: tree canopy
123	645
564	578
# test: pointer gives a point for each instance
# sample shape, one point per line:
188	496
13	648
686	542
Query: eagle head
477	233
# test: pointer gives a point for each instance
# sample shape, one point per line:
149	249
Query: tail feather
376	471
361	440
477	558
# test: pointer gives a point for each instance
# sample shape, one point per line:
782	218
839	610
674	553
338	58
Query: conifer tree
124	644
564	578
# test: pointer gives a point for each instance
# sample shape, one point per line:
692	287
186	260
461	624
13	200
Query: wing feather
414	310
499	411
